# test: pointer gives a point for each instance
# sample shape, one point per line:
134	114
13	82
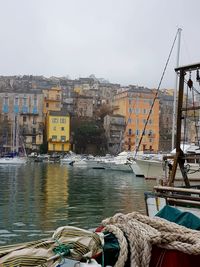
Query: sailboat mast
175	89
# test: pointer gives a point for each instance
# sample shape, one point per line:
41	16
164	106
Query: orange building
135	104
52	99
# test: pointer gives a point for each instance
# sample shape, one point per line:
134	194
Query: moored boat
14	160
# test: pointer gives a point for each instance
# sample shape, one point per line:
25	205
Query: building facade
23	114
136	104
83	106
114	126
58	131
52	99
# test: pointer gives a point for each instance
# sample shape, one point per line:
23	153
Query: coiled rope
142	232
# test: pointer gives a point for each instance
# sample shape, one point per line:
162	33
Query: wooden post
178	159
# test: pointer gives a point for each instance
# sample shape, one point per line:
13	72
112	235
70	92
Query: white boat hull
137	170
153	169
92	164
13	161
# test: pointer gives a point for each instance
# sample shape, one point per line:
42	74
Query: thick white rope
142	232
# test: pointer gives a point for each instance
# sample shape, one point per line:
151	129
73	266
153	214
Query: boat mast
175	89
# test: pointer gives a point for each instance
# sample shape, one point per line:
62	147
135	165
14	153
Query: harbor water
37	198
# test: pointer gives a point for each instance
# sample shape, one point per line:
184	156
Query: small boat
121	162
13	161
154	166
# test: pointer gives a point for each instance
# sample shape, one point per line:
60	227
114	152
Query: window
35	100
63	138
129	131
54	137
47	105
34	120
5	106
16	100
137	132
137	110
144	111
150	121
34	131
150	132
129	120
62	128
54	128
5	118
34	139
130	110
62	120
144	121
54	120
5	100
16	104
24	101
24	118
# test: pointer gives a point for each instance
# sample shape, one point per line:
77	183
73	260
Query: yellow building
58	131
135	105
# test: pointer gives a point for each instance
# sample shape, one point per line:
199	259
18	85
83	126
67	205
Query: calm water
37	198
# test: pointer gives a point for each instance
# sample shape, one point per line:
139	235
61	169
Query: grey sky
124	41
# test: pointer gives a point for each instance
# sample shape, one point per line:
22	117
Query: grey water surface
37	198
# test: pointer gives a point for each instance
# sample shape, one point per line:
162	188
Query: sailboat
168	192
14	158
155	166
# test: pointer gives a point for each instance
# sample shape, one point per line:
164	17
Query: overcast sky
124	41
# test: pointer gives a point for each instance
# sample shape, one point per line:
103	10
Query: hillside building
135	104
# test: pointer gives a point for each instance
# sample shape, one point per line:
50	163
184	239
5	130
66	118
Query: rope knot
62	249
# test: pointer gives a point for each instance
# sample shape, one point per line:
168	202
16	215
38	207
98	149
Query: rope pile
137	233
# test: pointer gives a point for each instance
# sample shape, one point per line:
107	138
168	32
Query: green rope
62	249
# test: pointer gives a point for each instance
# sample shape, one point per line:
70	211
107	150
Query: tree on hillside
88	133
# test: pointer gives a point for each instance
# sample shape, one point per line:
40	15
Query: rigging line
193	88
195	119
185	117
155	97
194	111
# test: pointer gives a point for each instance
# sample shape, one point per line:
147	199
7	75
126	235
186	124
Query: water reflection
37	198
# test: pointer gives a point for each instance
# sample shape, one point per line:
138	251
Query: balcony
130	135
129	143
51	99
58	141
151	135
29	133
29	113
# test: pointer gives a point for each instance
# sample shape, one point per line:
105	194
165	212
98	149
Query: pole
175	89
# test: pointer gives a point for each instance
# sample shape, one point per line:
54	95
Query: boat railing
180	196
